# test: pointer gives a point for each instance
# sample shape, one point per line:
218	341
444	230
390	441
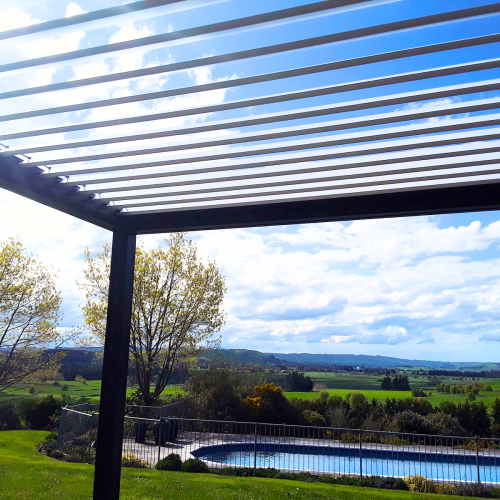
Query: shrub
476	490
57	455
305	477
85	439
268	404
349	437
171	462
129	460
65	387
194	465
37	412
80	379
419	484
314	418
51	440
78	454
446	489
76	459
56	384
495	430
9	420
238	472
411	422
385	483
443	424
342	480
418	393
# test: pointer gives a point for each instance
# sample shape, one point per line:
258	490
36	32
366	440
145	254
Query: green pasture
28	474
488	398
360	381
91	390
379	395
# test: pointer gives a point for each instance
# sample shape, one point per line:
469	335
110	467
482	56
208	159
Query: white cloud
411	281
74	9
15	18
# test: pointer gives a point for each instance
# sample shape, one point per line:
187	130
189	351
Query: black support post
114	371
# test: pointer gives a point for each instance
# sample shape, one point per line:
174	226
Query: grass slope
27	474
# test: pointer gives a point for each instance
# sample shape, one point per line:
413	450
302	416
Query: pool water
460	466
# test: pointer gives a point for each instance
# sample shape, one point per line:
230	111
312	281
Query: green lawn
91	390
488	398
27	474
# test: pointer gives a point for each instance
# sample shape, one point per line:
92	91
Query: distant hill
250	357
373	361
243	357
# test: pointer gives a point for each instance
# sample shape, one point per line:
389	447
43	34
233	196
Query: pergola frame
416	169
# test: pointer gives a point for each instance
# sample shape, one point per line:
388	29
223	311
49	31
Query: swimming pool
460	465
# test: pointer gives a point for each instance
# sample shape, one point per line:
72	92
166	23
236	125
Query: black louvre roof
262	164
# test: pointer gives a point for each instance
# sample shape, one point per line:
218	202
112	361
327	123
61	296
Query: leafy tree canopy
177	308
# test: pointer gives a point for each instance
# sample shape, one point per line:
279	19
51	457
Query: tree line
398	383
222	394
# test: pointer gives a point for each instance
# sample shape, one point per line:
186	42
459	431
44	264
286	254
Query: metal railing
290	448
78	423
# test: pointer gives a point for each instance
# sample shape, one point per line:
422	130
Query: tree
418	393
473	417
267	403
386	383
404	384
177	308
298	382
217	393
29	314
495	411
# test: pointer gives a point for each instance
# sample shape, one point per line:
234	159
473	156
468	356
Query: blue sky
423	287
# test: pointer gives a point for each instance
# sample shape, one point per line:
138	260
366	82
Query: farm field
364	381
90	390
488	398
28	474
379	395
341	384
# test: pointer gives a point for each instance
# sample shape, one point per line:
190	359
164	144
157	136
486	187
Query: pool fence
152	433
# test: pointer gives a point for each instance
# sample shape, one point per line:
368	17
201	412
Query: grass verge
27	474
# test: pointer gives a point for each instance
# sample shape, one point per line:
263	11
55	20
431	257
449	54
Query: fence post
477	460
360	457
89	433
159	437
255	450
62	426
